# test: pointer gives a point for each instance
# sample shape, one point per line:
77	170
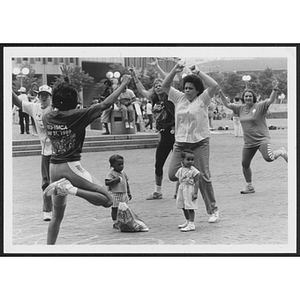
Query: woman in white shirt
192	129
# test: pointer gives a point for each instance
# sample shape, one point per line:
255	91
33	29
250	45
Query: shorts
119	197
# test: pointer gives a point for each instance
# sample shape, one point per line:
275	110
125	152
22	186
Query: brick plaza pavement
249	223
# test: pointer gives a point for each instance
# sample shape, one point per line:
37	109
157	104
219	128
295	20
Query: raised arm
223	98
16	100
273	95
160	71
166	85
140	87
112	98
209	82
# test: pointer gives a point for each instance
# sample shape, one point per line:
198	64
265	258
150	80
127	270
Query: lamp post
20	73
114	77
246	79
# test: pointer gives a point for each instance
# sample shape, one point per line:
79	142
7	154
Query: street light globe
16	71
25	71
246	78
117	75
109	74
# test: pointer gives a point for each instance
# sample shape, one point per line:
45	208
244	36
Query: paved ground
249	223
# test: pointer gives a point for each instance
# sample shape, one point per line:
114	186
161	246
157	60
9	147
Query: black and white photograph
148	149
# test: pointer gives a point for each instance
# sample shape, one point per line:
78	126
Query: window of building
49	59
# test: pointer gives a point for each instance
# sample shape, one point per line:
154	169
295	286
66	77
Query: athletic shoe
59	188
183	225
155	196
116	226
189	227
144	229
47	215
126	125
284	155
248	190
214	217
131	125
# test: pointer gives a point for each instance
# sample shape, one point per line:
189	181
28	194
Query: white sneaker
189	227
183	225
214	217
248	190
131	125
127	125
47	215
59	187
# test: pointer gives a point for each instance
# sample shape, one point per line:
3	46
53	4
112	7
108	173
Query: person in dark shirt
66	127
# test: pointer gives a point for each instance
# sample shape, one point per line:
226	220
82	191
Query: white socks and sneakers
61	187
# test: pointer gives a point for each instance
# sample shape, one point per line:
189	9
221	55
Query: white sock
72	190
249	184
158	188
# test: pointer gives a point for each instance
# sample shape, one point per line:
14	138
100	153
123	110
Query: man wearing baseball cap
23	117
36	110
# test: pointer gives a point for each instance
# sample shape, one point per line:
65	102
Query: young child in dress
117	182
187	186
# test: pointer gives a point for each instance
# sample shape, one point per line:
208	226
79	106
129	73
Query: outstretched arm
112	98
223	98
273	95
166	85
16	100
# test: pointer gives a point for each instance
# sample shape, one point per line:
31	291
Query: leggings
164	148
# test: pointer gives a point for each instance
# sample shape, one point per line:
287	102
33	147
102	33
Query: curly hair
114	158
65	97
249	91
196	81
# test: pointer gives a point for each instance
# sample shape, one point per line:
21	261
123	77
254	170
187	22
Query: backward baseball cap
45	88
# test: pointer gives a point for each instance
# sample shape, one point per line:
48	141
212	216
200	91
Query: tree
265	78
233	85
75	75
27	81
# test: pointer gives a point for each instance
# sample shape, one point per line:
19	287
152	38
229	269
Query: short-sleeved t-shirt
66	130
191	118
36	112
120	187
187	175
253	122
